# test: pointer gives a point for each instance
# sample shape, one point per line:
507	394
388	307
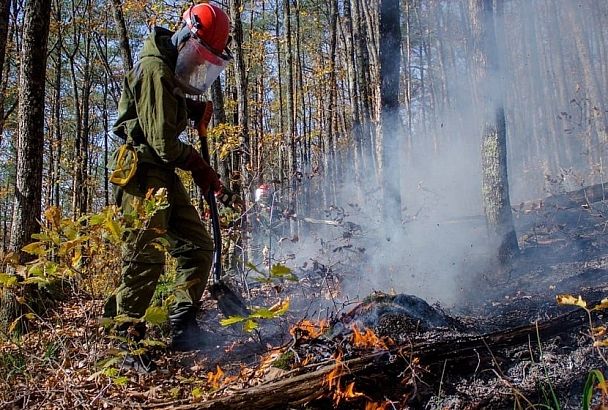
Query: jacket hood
158	44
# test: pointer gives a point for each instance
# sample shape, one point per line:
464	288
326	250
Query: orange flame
333	377
367	339
309	329
372	405
214	378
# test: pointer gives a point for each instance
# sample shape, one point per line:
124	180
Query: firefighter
153	111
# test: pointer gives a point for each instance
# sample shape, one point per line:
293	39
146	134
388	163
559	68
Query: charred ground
512	347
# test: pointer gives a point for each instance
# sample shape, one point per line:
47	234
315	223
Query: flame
333	377
367	339
308	329
214	378
346	394
372	405
333	380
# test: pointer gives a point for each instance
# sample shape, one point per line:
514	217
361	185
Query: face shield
198	67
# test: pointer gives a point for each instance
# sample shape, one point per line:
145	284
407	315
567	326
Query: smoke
441	251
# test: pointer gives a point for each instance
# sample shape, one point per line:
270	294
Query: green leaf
250	325
156	315
279	270
232	320
594	376
254	268
6	281
282	272
97	219
37	280
153	343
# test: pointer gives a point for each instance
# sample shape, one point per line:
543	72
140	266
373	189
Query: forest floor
60	362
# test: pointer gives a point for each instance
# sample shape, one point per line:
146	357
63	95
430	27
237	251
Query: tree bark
32	74
390	64
5	7
495	183
125	48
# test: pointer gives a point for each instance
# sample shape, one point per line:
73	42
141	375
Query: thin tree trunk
5	8
125	48
390	43
495	184
32	75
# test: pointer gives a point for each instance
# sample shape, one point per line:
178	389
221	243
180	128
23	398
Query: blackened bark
390	64
28	189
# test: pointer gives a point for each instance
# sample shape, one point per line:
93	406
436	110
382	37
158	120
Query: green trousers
142	253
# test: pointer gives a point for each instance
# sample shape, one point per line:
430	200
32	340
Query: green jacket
152	108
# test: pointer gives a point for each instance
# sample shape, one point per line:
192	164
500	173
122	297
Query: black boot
185	333
135	356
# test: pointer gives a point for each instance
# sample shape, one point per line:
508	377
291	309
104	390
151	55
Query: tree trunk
125	49
32	76
495	184
390	64
5	7
356	131
30	140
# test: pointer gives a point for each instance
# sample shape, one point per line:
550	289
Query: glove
203	175
195	109
230	199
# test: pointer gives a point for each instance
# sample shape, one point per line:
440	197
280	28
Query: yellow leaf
76	258
569	300
603	386
114	229
602	305
53	215
13	325
601	343
197	393
35	248
280	308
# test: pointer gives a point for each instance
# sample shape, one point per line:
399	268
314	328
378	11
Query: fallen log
580	197
297	388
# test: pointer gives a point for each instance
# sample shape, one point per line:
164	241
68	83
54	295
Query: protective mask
198	67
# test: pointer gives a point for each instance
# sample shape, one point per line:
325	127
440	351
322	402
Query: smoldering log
307	384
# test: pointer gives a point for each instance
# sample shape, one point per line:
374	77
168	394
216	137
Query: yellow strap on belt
126	165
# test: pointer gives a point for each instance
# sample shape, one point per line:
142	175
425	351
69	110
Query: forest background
300	108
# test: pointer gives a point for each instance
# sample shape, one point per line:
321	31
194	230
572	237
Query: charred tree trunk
390	64
495	184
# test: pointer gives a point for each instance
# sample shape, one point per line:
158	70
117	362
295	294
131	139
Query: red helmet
204	54
209	24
